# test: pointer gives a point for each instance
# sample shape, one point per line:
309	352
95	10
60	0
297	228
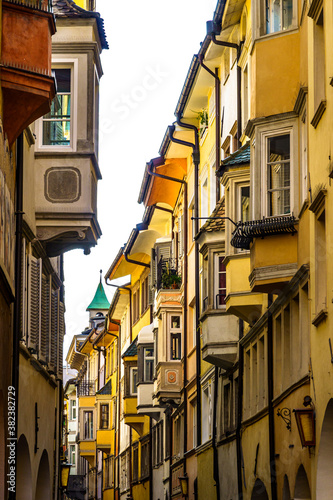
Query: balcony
27	84
130	414
219	338
169	274
105	440
86	388
273	251
169	381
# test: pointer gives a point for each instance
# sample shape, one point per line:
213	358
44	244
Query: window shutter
44	353
54	330
34	316
23	301
163	250
61	337
181	235
150	290
153	269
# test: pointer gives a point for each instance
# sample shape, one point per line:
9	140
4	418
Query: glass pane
222	280
149	352
279	148
175	321
287	14
56	133
60	107
276	14
221	265
63	80
279	203
245	203
279	199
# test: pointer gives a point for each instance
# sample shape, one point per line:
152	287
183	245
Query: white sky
151	47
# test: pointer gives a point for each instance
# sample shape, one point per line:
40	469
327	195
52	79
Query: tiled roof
67	8
132	350
239	157
106	390
215	224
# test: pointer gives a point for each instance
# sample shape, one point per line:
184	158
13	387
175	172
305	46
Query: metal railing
44	5
169	273
86	388
244	233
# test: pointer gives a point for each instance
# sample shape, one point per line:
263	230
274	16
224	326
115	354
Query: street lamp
305	420
65	468
184	485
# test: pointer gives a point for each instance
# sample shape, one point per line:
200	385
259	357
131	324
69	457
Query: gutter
196	161
270	375
217	120
240	410
18	290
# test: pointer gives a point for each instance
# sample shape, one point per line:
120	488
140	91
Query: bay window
175	337
276	15
57	123
278	175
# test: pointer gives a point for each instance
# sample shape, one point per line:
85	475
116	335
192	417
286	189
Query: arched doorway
324	483
286	489
43	487
24	479
259	491
302	488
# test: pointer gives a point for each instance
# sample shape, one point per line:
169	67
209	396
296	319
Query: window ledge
320	317
275	34
319	113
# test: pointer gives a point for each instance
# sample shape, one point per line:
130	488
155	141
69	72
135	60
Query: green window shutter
54	330
34	312
61	338
45	321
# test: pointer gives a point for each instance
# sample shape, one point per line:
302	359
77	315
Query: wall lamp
184	485
305	419
65	468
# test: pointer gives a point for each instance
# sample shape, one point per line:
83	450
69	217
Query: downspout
130	301
196	161
239	80
215	451
270	376
240	410
18	288
151	485
217	119
59	435
185	317
136	262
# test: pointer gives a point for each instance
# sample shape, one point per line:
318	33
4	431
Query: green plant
203	118
170	279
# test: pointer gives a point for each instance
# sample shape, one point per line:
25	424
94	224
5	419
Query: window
144	460
88	425
148	364
72	455
104	416
175	337
114	412
319	59
278	175
244	203
73	409
135	462
108	472
207	410
124	470
193	408
57	123
320	262
144	295
157	443
136	305
133	381
279	15
304	156
220	281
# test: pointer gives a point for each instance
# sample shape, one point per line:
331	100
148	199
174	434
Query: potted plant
170	279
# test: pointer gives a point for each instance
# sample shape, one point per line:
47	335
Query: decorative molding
314	9
319	113
319	200
320	317
300	99
272	272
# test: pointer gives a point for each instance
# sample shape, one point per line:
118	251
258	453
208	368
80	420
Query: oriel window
57	123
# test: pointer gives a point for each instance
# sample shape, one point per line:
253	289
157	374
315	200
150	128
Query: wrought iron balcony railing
169	273
45	5
86	388
244	233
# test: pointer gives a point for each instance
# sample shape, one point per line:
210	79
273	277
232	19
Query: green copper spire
100	300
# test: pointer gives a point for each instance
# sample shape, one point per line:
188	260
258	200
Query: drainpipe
151	485
18	287
185	317
196	161
131	261
215	451
130	301
239	80
270	375
217	119
240	410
